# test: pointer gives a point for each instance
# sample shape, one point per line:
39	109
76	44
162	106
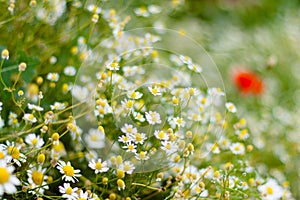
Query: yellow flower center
129	104
34	141
4	175
138	137
81	198
69	191
101	110
154	90
94	138
133	95
127	167
237	148
179	120
269	190
37	177
98	165
2	155
161	134
130	147
31	116
142	155
14	152
129	129
68	170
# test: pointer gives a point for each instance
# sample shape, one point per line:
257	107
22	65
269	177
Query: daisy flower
134	95
176	122
53	77
127	167
161	135
169	147
237	148
30	118
69	173
121	184
68	192
113	66
129	129
83	195
69	71
230	107
34	107
34	140
142	156
130	147
13	153
95	139
153	117
138	138
8	181
138	116
36	180
98	166
124	139
142	11
155	91
271	190
58	106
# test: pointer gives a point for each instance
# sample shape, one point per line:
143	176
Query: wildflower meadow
158	99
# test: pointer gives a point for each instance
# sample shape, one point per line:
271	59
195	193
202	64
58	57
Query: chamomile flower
155	91
230	107
169	147
153	117
69	173
195	68
161	135
130	147
83	195
154	9
34	140
5	54
34	107
237	148
127	167
176	122
94	8
134	95
28	117
36	179
13	153
90	155
98	166
176	60
53	77
129	129
143	155
130	70
68	192
8	181
271	190
142	11
70	71
12	119
185	59
58	106
127	104
138	138
138	116
113	66
95	139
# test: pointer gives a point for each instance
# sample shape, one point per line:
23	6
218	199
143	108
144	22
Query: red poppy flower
247	81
